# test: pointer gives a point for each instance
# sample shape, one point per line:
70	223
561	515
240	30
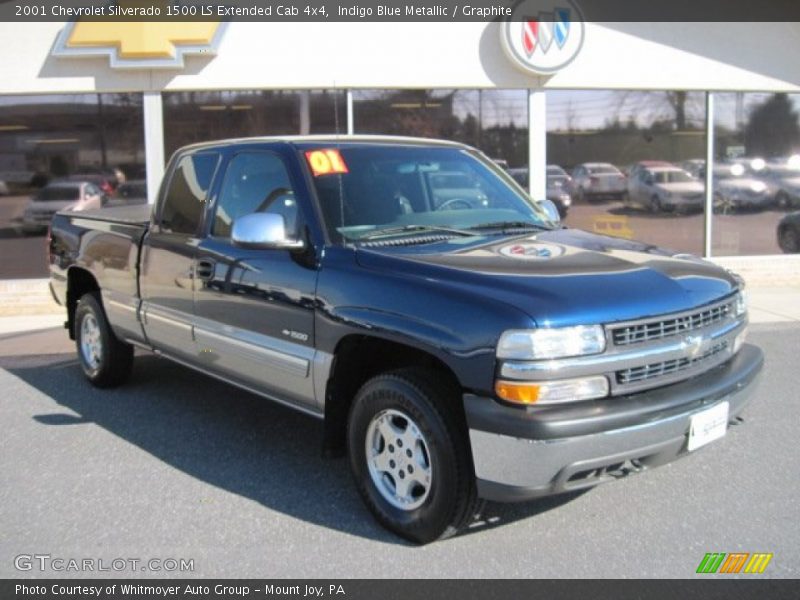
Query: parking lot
743	234
176	465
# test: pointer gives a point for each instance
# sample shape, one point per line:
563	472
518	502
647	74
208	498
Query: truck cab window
255	182
186	196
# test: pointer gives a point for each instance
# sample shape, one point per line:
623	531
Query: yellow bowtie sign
139	44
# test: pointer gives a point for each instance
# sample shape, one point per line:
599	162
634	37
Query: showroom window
756	171
96	138
496	121
191	117
628	161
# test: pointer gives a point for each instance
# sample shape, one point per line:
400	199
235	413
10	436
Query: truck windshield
367	190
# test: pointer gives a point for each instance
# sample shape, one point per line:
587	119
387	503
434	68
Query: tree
772	129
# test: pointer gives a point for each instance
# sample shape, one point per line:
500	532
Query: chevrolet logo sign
139	44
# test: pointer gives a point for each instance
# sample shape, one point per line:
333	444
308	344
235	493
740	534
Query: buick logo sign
543	36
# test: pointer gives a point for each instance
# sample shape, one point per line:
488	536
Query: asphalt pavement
175	465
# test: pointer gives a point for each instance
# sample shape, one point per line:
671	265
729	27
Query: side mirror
263	230
551	210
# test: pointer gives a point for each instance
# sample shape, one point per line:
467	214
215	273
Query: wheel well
358	359
79	282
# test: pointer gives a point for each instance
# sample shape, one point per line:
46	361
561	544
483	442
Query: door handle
204	269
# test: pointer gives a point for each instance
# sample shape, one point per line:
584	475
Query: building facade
87	103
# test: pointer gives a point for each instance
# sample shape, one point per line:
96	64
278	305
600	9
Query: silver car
665	189
57	196
591	181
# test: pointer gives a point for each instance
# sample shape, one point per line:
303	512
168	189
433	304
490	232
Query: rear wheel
409	455
106	361
789	240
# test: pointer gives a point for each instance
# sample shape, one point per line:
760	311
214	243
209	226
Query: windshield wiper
393	231
505	225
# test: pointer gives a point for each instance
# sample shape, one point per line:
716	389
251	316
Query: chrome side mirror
551	210
263	230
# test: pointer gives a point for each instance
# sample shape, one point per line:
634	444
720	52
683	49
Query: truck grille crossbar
668	367
659	329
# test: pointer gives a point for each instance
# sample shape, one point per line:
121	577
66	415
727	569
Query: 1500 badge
295	335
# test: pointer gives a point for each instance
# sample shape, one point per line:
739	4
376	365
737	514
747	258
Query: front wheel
409	455
106	361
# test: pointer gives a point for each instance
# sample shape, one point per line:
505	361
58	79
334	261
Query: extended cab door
168	253
255	307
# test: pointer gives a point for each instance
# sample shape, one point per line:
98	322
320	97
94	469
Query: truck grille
663	328
668	367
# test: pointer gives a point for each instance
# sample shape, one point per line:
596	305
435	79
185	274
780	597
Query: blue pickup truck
458	342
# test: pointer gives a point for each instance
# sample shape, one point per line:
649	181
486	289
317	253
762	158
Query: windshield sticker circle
532	251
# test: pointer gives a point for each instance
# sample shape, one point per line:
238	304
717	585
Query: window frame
172	169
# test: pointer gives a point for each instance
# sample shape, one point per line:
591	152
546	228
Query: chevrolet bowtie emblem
139	44
693	344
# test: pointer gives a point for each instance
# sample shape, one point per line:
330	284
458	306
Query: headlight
740	305
539	344
758	186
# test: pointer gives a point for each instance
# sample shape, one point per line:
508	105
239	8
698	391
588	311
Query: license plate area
708	425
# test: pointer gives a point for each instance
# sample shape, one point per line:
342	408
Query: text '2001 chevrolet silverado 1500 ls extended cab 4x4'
457	341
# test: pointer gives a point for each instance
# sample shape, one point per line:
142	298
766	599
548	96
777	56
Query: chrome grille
668	367
663	328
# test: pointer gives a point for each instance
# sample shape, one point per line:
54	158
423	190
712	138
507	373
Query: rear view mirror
263	230
551	211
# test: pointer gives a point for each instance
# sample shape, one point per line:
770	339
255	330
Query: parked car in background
130	192
785	181
558	186
633	169
665	189
106	181
594	181
789	233
58	196
734	188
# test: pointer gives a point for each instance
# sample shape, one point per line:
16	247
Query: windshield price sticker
326	162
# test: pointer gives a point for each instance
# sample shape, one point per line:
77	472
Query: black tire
433	408
655	205
110	365
789	240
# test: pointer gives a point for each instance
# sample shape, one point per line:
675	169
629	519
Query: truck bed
137	214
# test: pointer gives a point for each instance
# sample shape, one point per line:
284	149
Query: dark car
789	233
455	347
130	192
558	186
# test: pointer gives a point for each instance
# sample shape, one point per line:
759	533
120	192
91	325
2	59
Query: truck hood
562	277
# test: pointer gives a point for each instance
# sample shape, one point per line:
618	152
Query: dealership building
114	100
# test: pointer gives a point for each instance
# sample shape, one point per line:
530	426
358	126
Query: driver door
255	307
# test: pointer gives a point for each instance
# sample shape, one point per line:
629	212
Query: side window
255	182
186	196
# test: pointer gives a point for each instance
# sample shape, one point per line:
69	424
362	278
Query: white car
666	189
58	196
593	181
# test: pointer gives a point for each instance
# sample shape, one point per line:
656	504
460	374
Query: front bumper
521	454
